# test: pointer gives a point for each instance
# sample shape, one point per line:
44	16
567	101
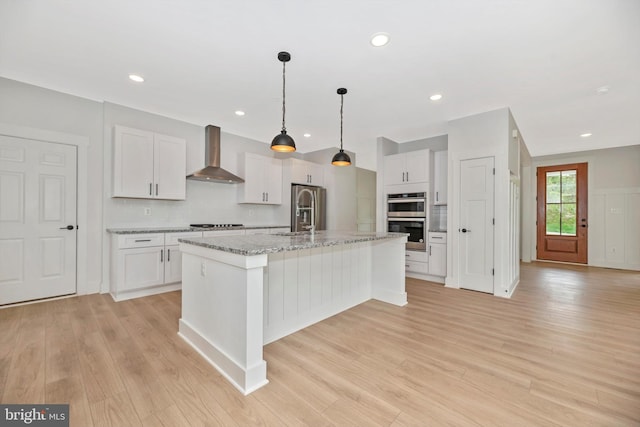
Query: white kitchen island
242	292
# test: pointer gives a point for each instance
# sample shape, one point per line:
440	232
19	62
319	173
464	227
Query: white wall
614	204
483	135
340	182
366	199
32	107
38	108
205	202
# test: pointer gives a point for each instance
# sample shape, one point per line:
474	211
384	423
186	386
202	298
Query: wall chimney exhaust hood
213	172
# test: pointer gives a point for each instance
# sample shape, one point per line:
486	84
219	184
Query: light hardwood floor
565	350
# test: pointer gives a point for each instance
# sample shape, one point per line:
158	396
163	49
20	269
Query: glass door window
561	203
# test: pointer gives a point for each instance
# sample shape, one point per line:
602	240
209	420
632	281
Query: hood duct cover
213	172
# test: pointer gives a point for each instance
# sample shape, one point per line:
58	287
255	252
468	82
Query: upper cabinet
440	166
262	179
147	165
405	168
303	172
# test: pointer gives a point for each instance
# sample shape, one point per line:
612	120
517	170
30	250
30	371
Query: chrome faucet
311	227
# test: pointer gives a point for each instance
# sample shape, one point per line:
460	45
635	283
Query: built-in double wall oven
407	213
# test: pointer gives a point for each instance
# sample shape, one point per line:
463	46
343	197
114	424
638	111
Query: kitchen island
242	292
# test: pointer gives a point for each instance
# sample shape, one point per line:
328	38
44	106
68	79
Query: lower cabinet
430	264
437	251
145	264
416	262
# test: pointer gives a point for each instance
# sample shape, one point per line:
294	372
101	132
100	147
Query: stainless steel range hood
213	172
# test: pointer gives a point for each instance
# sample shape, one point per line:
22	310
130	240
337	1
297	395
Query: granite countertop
258	244
185	228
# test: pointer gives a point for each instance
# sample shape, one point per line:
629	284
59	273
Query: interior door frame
533	205
82	144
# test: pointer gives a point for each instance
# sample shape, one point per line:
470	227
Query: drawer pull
436	237
142	240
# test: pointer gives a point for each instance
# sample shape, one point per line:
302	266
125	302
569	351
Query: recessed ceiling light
379	39
239	113
307	135
586	135
602	90
136	78
435	97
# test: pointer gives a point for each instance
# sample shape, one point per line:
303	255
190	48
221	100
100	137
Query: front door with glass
562	213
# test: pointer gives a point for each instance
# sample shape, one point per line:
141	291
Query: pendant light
283	142
341	158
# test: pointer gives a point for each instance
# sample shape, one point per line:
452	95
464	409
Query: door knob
68	227
464	230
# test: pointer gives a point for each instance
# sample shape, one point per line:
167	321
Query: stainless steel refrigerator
302	197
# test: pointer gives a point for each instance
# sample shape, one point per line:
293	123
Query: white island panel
238	297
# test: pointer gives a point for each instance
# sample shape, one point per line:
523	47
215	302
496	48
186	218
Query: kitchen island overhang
242	292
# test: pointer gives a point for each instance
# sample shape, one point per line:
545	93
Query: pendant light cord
341	105
284	129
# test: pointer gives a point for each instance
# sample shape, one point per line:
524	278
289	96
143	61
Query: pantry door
477	194
37	219
562	213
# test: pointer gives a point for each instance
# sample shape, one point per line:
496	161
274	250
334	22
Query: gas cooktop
214	225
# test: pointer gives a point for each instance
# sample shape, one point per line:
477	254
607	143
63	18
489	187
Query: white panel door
37	203
476	224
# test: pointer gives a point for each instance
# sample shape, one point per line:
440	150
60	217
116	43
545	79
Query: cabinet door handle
161	255
168	255
436	196
267	199
429	250
151	189
156	189
407	176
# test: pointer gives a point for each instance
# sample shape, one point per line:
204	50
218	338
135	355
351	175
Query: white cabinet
303	172
406	168
262	179
440	166
142	264
437	250
148	165
173	256
416	262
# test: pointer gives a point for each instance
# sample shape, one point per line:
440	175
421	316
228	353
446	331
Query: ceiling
205	59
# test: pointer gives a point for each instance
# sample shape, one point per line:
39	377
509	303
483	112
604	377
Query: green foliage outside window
561	202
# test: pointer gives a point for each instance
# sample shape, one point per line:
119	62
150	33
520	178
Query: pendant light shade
283	142
341	158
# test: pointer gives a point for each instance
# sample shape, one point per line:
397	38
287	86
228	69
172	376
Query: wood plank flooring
565	350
